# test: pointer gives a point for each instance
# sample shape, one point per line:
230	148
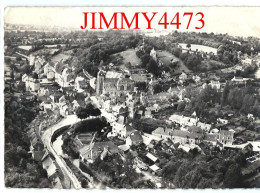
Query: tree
192	62
19	58
176	52
35	75
157	88
145	59
148	49
152	67
88	110
7	60
96	112
44	183
181	106
20	170
225	94
256	108
233	177
12	74
141	85
82	113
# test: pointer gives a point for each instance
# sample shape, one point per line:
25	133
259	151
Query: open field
127	56
208	65
194	47
166	57
59	56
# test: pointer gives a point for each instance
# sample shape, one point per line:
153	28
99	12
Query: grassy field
127	56
208	65
59	56
166	57
194	47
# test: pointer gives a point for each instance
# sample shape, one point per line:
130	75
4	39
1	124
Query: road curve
46	138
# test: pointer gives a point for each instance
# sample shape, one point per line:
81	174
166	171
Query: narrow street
46	138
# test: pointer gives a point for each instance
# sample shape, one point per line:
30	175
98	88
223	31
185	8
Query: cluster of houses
214	81
193	133
41	155
55	86
66	101
183	121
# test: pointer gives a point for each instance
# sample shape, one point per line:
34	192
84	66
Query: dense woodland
194	170
21	171
117	173
208	102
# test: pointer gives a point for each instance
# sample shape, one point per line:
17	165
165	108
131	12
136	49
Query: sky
236	21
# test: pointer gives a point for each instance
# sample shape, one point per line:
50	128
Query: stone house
90	153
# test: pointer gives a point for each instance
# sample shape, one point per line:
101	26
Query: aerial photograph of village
130	109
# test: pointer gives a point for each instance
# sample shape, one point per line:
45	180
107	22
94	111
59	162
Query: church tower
100	82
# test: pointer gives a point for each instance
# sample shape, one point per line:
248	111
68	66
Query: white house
80	83
32	84
119	109
204	126
121	129
222	121
51	74
196	78
64	110
182	120
25	78
183	76
107	105
215	84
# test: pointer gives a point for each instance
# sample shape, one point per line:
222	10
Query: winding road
46	138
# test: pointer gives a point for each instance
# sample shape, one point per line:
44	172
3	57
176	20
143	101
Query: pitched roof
80	96
85	138
124	147
38	155
151	157
185	148
47	161
136	137
139	77
99	147
134	153
51	169
211	137
168	142
162	131
81	103
57	183
154	168
194	129
35	140
129	129
225	132
113	74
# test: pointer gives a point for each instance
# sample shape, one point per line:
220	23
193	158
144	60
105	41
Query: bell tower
100	82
